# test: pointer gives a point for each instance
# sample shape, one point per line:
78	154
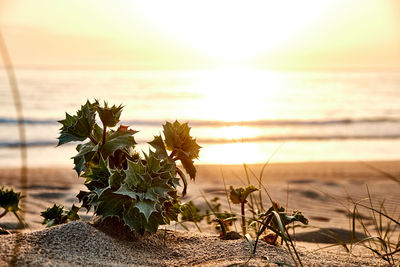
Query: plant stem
183	177
94	141
4	213
263	226
223	227
173	153
243	219
104	135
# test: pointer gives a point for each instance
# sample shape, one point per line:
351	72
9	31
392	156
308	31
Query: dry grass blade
384	173
227	196
283	233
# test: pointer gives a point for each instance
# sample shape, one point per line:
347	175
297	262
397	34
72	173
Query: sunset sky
329	34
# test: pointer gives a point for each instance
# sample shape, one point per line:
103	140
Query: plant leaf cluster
191	213
140	191
240	194
9	202
224	220
276	220
57	215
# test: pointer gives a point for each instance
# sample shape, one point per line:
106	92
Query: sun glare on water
236	153
236	132
236	94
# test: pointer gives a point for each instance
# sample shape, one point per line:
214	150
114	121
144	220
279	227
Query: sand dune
320	190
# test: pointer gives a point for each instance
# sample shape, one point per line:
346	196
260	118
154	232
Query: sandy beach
322	191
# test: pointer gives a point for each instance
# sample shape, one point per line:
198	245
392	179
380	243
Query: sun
231	30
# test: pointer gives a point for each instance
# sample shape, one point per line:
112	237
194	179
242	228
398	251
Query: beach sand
322	191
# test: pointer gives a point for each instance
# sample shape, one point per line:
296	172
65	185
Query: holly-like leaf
118	140
77	127
87	199
125	190
147	207
134	219
109	116
177	137
85	153
110	204
117	177
239	195
182	145
187	164
137	221
158	144
73	213
152	162
149	184
98	172
133	172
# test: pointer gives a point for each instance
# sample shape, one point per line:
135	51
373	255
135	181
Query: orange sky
333	34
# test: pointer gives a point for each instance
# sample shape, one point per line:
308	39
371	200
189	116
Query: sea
237	115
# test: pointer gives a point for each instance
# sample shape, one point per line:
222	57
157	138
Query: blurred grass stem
18	109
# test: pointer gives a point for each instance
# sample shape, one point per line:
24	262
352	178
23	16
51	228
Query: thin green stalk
282	232
223	227
261	229
381	213
94	141
249	183
227	195
183	178
262	174
263	187
104	135
194	221
243	218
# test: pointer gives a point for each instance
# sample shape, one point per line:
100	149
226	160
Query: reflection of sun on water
236	153
237	94
235	132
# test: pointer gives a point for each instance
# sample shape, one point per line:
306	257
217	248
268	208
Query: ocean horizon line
217	123
275	139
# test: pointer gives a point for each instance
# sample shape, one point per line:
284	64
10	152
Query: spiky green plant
140	191
57	215
9	201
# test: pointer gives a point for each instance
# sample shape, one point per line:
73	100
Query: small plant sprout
137	190
276	220
191	213
9	201
57	215
223	220
238	196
